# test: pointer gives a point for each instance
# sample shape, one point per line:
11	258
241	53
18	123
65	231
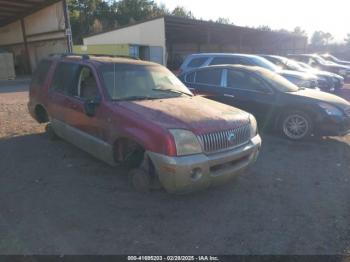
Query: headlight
330	110
186	142
253	126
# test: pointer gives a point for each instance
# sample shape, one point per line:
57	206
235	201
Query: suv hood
324	97
198	114
296	74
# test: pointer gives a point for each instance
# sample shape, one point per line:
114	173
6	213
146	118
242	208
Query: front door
249	92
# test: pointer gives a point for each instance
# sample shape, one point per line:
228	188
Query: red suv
129	111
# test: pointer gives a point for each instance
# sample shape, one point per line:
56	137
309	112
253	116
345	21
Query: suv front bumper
189	173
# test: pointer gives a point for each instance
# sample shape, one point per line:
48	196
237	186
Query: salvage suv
138	113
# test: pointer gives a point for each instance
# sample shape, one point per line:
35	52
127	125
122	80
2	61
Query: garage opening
33	29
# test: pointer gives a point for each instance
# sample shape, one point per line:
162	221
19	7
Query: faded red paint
146	122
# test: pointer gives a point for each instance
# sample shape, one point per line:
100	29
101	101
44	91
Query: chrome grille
226	139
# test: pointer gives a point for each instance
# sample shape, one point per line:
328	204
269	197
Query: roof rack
87	56
121	56
61	55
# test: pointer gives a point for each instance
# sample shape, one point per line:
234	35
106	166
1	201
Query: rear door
207	82
65	77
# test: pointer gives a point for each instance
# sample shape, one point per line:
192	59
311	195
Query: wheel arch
41	114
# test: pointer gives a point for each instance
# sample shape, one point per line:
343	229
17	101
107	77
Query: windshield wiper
130	98
171	91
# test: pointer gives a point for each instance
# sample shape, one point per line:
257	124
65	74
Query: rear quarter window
40	73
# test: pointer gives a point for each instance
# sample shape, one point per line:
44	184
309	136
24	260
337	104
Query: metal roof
12	10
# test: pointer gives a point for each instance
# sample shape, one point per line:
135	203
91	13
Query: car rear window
209	76
40	73
197	62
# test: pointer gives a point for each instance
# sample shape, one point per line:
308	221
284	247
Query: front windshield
137	82
264	63
278	82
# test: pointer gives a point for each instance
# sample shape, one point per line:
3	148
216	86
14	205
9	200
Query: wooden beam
15	3
27	10
10	9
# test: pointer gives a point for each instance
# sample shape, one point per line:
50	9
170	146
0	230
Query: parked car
277	103
135	112
319	63
326	81
334	59
208	59
338	80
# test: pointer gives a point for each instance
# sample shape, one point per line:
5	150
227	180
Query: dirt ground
56	199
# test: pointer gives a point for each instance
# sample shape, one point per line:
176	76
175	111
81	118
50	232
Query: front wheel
296	125
140	179
50	132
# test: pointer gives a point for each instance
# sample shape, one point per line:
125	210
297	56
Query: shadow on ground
57	199
17	85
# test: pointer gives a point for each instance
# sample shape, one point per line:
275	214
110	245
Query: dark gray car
207	59
327	81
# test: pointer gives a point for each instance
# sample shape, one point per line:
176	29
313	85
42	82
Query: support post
29	66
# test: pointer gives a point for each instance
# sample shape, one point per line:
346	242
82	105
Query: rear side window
65	79
197	62
40	73
228	60
209	76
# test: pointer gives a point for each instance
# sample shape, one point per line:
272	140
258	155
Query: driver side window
87	86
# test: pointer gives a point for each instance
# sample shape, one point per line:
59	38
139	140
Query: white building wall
151	33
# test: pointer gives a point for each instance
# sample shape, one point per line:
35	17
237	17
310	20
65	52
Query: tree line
93	16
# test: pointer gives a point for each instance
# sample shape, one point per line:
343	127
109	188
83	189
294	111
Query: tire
296	125
140	180
51	133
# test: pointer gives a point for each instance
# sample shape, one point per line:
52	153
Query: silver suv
207	59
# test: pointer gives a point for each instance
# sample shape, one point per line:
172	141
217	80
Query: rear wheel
296	125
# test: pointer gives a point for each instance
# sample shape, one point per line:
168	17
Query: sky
327	15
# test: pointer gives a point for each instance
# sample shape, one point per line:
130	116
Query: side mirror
90	106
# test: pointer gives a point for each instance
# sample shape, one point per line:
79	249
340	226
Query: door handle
228	95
